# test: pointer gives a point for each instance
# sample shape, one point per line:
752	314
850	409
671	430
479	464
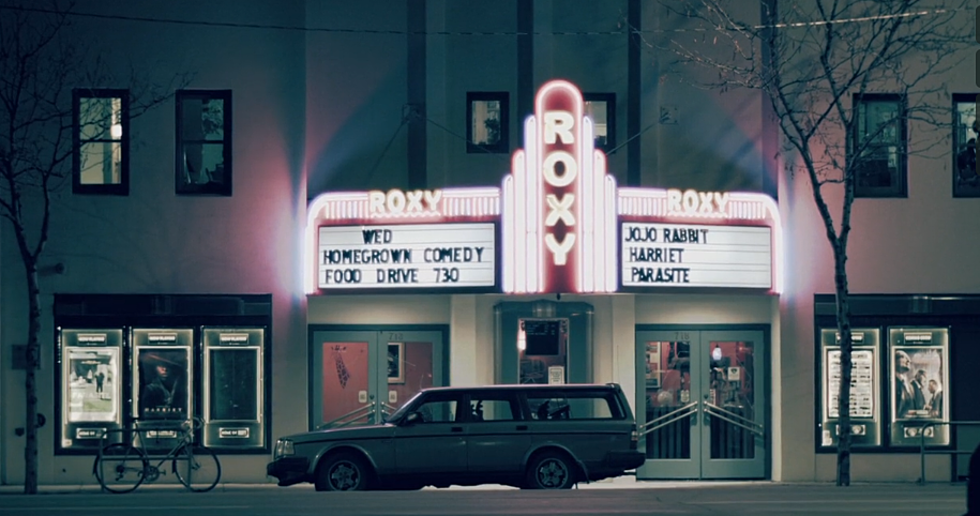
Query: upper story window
487	122
204	142
601	108
879	146
966	182
100	163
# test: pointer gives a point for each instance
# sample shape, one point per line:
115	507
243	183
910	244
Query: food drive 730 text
392	261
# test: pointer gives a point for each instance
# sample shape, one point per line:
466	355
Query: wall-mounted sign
406	256
693	255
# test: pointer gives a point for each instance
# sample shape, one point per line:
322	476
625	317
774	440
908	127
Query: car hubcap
344	476
552	473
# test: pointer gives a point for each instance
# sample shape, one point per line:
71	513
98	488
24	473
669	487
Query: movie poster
919	383
92	383
163	378
233	375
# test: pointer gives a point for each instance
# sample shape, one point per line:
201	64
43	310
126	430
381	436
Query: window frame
900	187
958	190
220	189
121	188
610	100
503	144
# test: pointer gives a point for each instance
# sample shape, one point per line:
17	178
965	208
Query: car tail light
634	437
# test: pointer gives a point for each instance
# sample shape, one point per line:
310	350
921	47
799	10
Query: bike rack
923	451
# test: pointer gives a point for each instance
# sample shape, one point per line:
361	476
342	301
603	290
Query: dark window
574	404
204	142
879	146
100	163
494	406
439	407
601	108
487	122
966	182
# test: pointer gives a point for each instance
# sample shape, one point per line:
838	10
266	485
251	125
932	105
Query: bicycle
122	467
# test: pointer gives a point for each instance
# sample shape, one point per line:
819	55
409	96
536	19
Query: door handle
522	427
456	429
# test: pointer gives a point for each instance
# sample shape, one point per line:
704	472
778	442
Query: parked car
528	436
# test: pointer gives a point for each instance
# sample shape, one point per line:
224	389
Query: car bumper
623	460
288	470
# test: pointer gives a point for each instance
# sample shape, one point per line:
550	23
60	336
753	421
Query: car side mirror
412	418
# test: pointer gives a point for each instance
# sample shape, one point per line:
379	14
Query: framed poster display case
90	386
918	365
234	403
865	405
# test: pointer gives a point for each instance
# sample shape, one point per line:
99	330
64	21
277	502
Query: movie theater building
465	194
557	275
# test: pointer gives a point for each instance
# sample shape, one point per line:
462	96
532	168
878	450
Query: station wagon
528	436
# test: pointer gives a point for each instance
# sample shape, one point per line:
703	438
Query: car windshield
400	413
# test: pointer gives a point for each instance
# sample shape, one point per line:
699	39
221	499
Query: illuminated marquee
559	214
675	238
563	224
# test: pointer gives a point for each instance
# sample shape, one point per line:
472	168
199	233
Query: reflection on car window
438	411
400	413
576	405
488	409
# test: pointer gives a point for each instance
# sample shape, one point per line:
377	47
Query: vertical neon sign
559	209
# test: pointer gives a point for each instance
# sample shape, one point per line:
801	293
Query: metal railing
691	409
923	451
364	412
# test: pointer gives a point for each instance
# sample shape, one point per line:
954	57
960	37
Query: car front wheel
550	470
343	472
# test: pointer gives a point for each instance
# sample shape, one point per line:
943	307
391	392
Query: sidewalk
623	482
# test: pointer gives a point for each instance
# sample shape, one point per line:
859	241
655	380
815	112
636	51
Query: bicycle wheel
120	468
197	467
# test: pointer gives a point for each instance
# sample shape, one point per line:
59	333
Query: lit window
488	119
601	108
203	142
879	146
966	182
101	142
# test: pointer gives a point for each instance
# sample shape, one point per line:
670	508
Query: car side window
574	405
438	411
491	407
551	408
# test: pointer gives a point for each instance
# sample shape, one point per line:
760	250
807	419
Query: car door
496	433
436	444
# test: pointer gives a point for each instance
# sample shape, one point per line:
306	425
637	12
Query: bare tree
40	64
811	61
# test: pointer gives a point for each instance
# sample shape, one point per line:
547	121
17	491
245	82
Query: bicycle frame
131	461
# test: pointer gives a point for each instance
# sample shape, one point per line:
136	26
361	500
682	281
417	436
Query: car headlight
284	448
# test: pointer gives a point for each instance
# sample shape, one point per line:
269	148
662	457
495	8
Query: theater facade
558	275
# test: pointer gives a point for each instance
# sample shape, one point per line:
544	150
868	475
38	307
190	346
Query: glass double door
705	400
361	377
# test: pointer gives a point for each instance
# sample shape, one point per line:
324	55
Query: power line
781	25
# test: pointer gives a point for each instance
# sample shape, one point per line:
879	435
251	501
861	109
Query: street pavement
623	496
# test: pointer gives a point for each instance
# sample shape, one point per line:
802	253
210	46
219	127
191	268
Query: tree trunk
33	354
844	396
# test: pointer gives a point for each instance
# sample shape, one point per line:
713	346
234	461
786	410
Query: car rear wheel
550	470
343	472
